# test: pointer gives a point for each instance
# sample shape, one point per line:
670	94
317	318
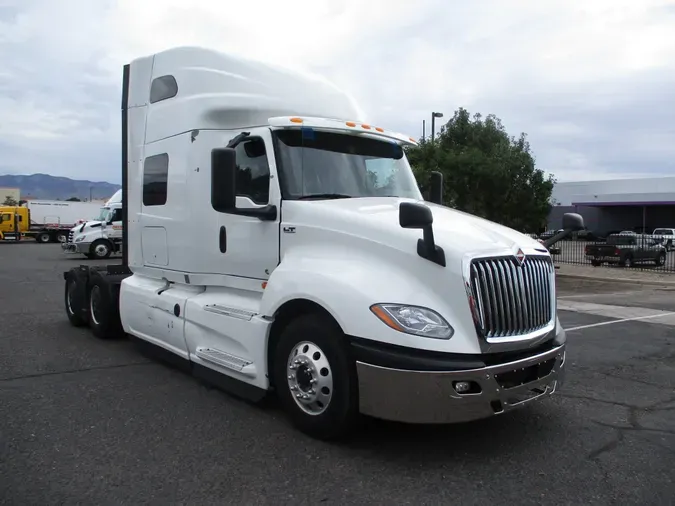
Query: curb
645	282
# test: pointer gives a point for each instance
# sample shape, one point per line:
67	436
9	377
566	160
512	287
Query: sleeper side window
155	180
253	171
162	88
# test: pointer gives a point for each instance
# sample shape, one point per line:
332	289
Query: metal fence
650	258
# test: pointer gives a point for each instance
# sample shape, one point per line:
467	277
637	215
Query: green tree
485	171
9	201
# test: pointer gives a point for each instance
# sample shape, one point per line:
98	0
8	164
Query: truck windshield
102	214
333	165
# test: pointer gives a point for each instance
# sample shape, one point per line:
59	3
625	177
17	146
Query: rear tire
627	262
324	373
43	237
596	263
661	260
61	237
103	310
72	306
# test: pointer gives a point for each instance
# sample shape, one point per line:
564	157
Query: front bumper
75	247
417	396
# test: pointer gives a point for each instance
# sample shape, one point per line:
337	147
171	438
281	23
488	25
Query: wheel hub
310	379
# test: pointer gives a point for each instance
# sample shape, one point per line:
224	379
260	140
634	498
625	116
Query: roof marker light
296	120
367	127
379	129
350	124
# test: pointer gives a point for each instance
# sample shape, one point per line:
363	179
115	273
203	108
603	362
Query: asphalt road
89	422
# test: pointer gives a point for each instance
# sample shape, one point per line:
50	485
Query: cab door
115	229
6	224
233	244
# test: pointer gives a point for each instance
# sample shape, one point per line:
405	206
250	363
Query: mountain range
44	186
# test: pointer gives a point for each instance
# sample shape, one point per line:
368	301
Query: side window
155	179
162	88
116	215
253	171
6	217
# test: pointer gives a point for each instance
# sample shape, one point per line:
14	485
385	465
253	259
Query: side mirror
414	215
223	179
573	222
436	188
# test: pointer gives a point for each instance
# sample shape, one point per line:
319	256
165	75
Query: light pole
434	115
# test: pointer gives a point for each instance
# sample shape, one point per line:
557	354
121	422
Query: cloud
591	83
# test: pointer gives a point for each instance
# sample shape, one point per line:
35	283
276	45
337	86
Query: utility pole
424	129
434	115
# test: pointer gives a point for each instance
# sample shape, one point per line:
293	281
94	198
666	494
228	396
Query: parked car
666	236
626	249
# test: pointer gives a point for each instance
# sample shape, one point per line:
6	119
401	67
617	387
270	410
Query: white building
617	204
9	193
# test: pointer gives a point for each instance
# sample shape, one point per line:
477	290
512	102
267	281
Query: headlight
79	239
415	320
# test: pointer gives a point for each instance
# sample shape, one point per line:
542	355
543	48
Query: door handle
222	240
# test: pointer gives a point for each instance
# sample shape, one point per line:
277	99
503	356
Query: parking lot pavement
94	422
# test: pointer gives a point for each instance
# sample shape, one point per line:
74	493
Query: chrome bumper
75	247
430	396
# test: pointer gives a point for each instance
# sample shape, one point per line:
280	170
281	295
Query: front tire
661	260
100	249
315	378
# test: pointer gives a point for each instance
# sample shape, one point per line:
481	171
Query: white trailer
51	220
276	242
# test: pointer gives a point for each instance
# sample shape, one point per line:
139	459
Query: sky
591	82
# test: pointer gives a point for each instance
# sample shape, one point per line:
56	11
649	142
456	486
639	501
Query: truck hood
87	225
376	218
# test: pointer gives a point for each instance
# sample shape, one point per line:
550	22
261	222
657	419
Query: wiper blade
325	196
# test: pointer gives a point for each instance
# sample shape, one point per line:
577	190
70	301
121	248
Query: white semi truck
276	242
99	238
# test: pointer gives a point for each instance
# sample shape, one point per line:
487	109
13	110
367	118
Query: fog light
466	387
462	387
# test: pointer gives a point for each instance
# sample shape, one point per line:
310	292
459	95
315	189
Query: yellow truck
14	222
45	220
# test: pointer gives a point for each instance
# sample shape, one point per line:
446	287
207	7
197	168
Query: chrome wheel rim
310	378
94	303
69	297
101	250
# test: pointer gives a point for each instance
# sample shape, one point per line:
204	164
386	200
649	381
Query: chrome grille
510	299
71	236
